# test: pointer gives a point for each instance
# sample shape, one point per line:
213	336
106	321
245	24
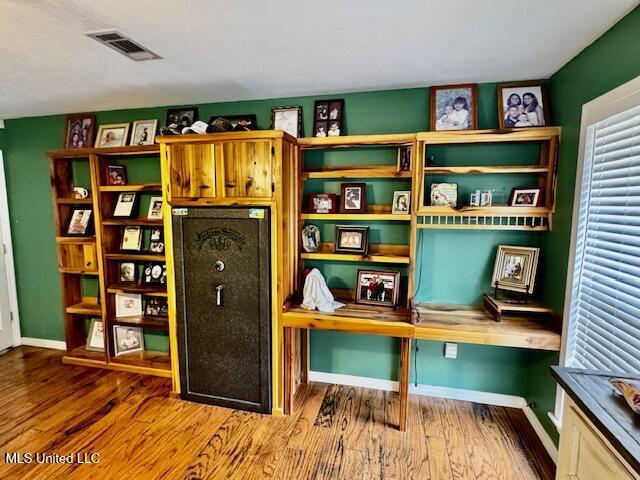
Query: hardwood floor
337	432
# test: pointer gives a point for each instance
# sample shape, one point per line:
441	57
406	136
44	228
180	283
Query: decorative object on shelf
127	340
523	104
401	202
128	272
404	159
156	243
474	198
311	239
454	107
80	192
287	119
112	135
128	304
353	198
486	198
156	307
126	205
80	223
155	209
144	132
95	339
328	118
322	203
351	239
378	287
515	268
444	194
79	130
316	294
525	197
116	175
155	274
233	123
630	390
179	118
131	239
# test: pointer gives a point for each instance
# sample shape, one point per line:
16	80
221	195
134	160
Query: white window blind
604	318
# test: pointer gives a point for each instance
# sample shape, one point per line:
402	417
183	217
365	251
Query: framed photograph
287	119
80	223
144	132
523	104
79	130
378	287
128	304
351	239
353	197
131	239
154	274
328	118
114	135
128	272
311	239
126	205
404	159
401	202
156	242
233	123
444	194
515	268
95	339
525	197
155	209
323	203
116	175
182	117
474	198
156	307
454	107
486	198
127	340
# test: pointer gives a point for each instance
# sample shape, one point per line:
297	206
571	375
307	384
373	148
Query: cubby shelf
359	171
132	187
135	257
88	306
78	271
148	290
351	141
144	222
157	323
74	201
486	169
378	253
76	240
146	358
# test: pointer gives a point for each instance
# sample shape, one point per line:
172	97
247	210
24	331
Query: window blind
604	328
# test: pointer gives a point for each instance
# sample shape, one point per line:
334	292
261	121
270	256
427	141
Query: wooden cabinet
246	168
192	170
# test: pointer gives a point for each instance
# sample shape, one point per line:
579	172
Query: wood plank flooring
335	432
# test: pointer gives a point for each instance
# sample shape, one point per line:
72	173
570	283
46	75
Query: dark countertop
607	410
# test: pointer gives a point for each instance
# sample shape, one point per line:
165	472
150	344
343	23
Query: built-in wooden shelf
535	134
144	222
77	271
486	169
374	212
83	353
74	201
484	218
135	257
132	187
359	171
378	253
146	363
351	141
147	290
146	359
158	323
76	240
88	306
127	151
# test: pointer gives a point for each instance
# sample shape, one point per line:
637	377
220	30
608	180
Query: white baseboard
488	398
44	343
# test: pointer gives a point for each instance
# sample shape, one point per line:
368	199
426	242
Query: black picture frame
154	273
177	116
345	189
233	123
342	231
156	307
324	117
131	211
80	223
127	272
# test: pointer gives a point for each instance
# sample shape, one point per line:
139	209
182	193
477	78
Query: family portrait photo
352	239
378	287
522	105
328	118
454	107
79	131
525	197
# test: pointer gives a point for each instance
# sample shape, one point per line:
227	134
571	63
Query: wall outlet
450	350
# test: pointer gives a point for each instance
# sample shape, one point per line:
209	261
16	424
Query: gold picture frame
515	268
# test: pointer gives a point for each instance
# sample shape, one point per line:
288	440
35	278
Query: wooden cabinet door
191	170
245	169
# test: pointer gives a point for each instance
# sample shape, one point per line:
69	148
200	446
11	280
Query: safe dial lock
219	266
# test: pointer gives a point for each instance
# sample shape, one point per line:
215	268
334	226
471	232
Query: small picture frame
486	198
156	307
404	159
233	123
155	209
525	197
116	175
156	242
143	132
311	239
378	287
95	338
523	104
80	223
131	239
353	197
154	274
401	202
351	239
182	117
128	272
79	130
515	268
323	203
126	205
128	304
454	107
474	198
127	340
112	135
328	118
444	194
287	119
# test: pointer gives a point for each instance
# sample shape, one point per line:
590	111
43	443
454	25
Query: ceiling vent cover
124	45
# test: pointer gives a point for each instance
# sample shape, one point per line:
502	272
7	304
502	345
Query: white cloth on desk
317	294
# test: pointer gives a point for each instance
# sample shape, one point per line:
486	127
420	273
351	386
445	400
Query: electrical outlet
450	350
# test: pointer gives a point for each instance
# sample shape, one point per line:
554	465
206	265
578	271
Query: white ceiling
236	50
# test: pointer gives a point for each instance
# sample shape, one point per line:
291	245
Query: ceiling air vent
124	45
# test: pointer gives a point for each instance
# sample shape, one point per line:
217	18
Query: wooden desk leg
405	351
289	362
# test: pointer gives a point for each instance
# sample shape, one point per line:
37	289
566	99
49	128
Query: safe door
222	268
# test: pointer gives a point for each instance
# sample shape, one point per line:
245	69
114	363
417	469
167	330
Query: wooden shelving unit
377	254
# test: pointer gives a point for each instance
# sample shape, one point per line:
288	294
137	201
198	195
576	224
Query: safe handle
219	295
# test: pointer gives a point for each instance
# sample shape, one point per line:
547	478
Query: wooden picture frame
126	205
327	113
351	239
378	287
535	88
525	197
287	119
79	130
112	135
353	197
444	114
141	137
80	223
515	268
323	203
